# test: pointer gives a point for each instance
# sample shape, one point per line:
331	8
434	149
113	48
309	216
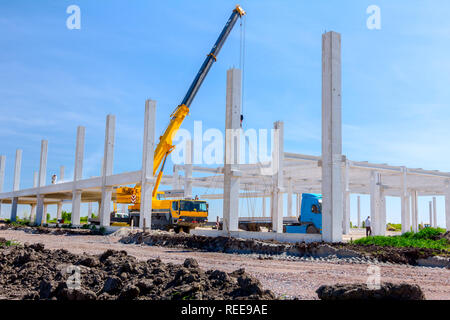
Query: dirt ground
286	278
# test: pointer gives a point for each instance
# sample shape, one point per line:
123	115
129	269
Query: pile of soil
317	249
33	272
386	291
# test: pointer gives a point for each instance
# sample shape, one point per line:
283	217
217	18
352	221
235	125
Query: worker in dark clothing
368	228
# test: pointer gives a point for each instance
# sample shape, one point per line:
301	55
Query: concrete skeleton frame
332	175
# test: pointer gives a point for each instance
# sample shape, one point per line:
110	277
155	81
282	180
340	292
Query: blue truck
309	220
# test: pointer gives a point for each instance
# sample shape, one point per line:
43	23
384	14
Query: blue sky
395	80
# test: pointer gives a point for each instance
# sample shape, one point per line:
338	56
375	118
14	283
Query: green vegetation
8	243
394	227
426	238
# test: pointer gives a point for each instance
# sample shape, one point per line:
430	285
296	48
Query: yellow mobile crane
176	213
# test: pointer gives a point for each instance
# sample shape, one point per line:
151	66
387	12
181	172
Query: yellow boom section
165	146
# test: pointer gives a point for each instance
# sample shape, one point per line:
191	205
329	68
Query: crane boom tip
240	10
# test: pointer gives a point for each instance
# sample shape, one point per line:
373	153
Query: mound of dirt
235	245
387	291
33	272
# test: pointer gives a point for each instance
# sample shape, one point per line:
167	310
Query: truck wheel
311	229
176	229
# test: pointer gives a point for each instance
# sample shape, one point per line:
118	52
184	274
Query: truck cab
310	218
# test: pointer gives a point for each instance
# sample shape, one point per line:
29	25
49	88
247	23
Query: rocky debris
265	249
387	291
434	262
33	272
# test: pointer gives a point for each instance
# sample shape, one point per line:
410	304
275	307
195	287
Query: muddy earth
234	245
33	272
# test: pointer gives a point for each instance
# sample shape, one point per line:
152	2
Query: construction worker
54	179
368	228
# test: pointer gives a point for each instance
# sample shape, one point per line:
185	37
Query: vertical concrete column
44	220
60	203
35	179
39	210
332	202
16	184
41	182
430	206
107	170
375	202
278	187
147	182
382	219
189	153
346	200
78	175
289	202
175	178
358	218
33	206
405	200
447	206
414	211
89	209
33	212
434	225
231	181
263	206
298	203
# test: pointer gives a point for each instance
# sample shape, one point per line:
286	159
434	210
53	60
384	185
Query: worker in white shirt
368	228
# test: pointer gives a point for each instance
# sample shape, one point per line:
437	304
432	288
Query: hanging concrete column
375	202
346	200
189	156
231	173
405	200
16	184
2	177
78	175
278	187
108	158
59	211
447	206
147	179
41	182
358	218
332	202
289	194
434	225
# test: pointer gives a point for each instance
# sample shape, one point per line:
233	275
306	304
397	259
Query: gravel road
285	278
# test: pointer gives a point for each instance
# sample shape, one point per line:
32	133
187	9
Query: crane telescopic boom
165	146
